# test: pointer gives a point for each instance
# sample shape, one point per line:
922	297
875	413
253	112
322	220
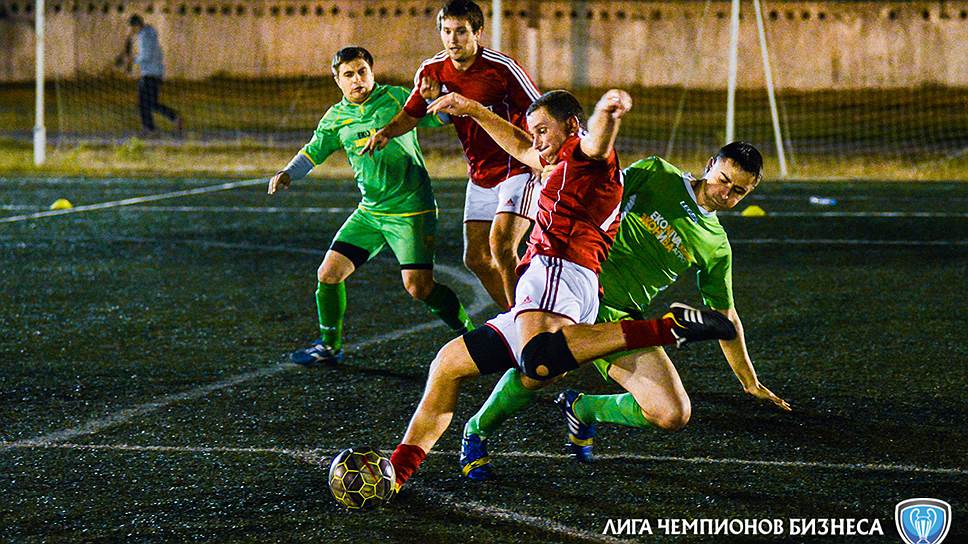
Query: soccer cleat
581	436
315	354
475	463
692	325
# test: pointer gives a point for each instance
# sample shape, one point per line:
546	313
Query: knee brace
546	356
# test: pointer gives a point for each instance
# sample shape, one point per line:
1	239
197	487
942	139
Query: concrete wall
813	45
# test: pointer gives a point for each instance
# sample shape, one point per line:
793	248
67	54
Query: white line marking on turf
481	301
848	242
321	457
136	200
323	453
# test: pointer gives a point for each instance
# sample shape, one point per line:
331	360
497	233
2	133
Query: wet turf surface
111	310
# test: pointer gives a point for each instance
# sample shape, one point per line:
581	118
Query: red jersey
502	86
578	210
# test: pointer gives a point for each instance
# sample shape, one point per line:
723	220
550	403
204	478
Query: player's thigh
335	268
477	246
359	239
418	282
455	361
654	382
412	239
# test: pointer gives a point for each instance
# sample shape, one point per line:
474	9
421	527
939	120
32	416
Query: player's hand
453	104
429	88
279	180
376	142
615	102
760	391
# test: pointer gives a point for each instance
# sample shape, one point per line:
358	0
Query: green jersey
664	232
394	181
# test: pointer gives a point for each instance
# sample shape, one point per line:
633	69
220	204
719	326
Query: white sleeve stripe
519	74
436	58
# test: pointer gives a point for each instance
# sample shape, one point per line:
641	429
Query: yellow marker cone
61	204
753	211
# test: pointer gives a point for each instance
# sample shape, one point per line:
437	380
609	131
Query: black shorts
490	352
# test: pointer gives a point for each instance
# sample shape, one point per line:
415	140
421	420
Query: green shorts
410	237
607	314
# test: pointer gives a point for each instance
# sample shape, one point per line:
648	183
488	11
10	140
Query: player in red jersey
501	199
576	223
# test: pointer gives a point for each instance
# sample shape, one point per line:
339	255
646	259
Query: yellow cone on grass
753	211
61	204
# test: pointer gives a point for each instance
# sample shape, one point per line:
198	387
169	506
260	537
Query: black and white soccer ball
361	478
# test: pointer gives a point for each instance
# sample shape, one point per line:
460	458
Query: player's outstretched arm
739	360
512	139
604	123
281	179
401	123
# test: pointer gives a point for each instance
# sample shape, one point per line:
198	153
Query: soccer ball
361	478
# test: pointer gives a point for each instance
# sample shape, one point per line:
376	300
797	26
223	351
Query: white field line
481	300
136	200
321	251
847	242
316	209
321	455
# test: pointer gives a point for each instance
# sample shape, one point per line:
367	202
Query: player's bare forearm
604	124
740	362
401	123
513	140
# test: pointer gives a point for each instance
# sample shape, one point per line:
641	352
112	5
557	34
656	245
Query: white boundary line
136	200
481	300
322	454
739	241
316	209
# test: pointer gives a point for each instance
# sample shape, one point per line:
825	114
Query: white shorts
517	194
552	285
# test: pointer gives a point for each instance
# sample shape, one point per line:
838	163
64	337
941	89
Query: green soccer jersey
664	232
394	181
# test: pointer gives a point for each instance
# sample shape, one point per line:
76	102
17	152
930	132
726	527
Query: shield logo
923	521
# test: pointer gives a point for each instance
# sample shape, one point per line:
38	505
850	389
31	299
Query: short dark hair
351	53
561	104
745	156
136	20
462	9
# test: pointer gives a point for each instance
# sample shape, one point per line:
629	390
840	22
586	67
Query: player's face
548	134
725	185
459	39
355	79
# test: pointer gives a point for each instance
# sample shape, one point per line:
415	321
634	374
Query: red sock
406	460
647	332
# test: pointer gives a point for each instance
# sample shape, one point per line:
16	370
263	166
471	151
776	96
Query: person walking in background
150	62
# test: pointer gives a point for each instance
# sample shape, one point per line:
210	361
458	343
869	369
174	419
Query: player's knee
504	255
476	262
419	289
328	275
675	416
546	356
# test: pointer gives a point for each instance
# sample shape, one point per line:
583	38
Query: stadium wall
814	45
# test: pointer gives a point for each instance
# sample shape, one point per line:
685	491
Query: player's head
552	118
135	21
353	72
460	23
730	175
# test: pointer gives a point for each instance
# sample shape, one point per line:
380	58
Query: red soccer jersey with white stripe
502	86
578	211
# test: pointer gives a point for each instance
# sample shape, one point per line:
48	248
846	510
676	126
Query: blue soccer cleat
581	436
475	463
315	354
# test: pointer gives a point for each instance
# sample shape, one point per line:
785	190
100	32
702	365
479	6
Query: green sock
444	304
331	305
619	409
508	396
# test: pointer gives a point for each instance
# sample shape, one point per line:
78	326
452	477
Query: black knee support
546	356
